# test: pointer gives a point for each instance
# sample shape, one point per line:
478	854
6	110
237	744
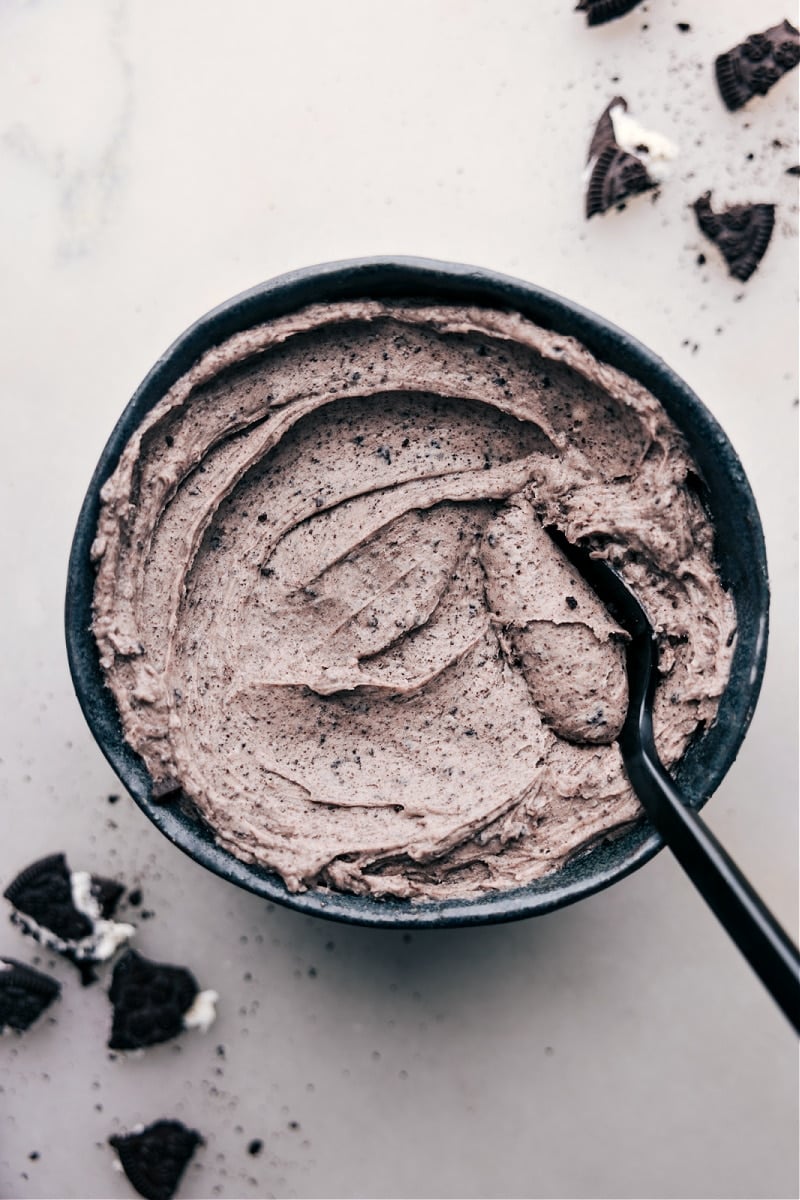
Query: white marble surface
159	157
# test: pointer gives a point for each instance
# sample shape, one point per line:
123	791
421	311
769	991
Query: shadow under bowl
726	494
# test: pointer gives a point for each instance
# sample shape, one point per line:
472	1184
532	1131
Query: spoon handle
762	941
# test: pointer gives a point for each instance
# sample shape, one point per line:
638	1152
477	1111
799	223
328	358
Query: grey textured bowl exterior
727	494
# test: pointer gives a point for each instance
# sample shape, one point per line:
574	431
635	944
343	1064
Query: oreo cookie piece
616	176
624	159
107	893
24	994
756	64
164	791
154	1002
598	12
741	233
155	1157
604	134
69	911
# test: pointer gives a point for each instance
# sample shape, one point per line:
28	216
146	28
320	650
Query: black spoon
765	945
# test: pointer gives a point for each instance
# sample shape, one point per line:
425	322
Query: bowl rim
427	279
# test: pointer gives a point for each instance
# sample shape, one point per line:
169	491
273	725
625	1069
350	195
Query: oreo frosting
330	612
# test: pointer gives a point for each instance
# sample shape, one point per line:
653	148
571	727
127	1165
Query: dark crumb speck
683	26
135	897
113	799
220	1051
312	972
793	170
255	1147
34	1154
294	1124
701	260
571	602
146	914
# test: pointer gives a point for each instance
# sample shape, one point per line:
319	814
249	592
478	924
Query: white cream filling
99	945
202	1012
107	936
81	885
655	151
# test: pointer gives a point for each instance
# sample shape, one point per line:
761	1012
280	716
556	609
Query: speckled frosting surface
329	610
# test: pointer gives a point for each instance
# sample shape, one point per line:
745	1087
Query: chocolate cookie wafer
155	1157
756	64
154	1002
24	995
741	233
600	12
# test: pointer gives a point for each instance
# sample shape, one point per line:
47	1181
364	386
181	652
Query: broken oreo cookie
164	791
154	1002
616	175
753	67
598	12
624	159
69	911
155	1157
741	233
24	994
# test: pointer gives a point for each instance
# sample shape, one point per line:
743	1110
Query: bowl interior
725	490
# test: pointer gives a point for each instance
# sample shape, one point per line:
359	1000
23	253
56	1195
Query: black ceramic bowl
740	554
